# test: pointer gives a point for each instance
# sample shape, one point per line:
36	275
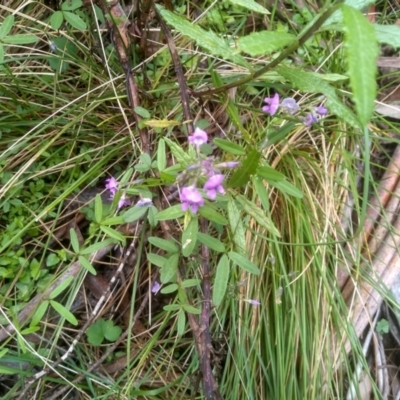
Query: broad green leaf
181	323
229	147
95	333
144	163
211	242
361	61
169	288
40	311
236	226
244	263
71	5
56	20
20	39
118	220
97	246
242	175
259	215
60	288
189	236
52	259
287	188
75	20
156	259
261	191
191	309
212	215
98	209
388	34
309	82
86	264
65	313
112	233
163	244
207	39
269	173
190	283
221	280
265	42
6	26
168	271
172	307
250	5
161	159
170	213
142	112
134	214
74	240
111	332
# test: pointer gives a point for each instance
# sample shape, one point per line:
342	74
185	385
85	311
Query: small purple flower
228	164
155	288
123	201
273	104
207	167
290	105
321	110
253	302
310	119
112	186
191	197
213	185
145	202
198	137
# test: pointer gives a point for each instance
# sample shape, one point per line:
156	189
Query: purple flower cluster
112	186
290	106
190	196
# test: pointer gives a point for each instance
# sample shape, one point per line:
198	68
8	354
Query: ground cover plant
198	200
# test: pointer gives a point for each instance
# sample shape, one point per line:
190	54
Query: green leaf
250	5
173	212
181	155
211	242
206	39
276	136
190	283
1	55
189	236
261	192
161	159
258	214
269	173
75	20
144	163
52	259
65	313
20	39
60	288
388	34
191	309
361	61
142	112
74	240
169	288
163	244
6	26
156	259
40	311
134	214
168	271
95	333
221	280
56	20
242	175
71	5
172	307
98	208
111	332
310	82
96	246
112	233
118	220
265	42
181	323
236	226
287	188
229	147
211	214
86	264
244	263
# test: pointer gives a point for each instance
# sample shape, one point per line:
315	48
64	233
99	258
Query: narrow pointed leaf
221	280
244	263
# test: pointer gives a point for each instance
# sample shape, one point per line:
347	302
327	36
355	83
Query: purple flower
145	202
123	201
191	197
310	119
112	186
155	288
228	164
253	302
290	105
198	137
207	167
213	185
321	110
273	104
